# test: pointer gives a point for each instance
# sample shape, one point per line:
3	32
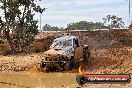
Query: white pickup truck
65	53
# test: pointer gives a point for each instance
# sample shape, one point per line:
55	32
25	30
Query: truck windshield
61	44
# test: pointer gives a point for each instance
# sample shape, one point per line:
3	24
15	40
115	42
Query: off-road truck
65	53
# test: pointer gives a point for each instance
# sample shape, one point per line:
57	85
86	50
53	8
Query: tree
99	25
19	24
113	21
71	26
84	25
47	27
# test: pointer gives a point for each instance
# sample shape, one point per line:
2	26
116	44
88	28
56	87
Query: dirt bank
111	50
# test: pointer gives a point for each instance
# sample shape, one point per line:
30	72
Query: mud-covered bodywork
64	54
53	63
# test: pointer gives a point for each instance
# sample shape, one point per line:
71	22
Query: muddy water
48	80
36	80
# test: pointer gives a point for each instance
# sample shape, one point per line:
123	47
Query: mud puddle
36	80
48	80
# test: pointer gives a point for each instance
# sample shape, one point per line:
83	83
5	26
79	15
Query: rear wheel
86	56
77	64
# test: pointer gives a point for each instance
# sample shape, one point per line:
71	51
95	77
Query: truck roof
65	38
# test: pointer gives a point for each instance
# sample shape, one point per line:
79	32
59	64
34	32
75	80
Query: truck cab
64	46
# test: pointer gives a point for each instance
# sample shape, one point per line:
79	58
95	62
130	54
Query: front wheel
67	66
70	65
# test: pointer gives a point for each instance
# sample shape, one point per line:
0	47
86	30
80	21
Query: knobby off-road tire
70	65
67	66
86	56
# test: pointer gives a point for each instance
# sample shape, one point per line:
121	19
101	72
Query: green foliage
47	27
113	21
32	27
19	26
84	25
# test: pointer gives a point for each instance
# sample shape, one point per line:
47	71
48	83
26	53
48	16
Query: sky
62	12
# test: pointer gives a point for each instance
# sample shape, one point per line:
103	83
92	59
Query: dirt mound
114	60
106	38
111	50
47	35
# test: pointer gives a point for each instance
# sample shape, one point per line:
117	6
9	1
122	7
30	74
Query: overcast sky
63	12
